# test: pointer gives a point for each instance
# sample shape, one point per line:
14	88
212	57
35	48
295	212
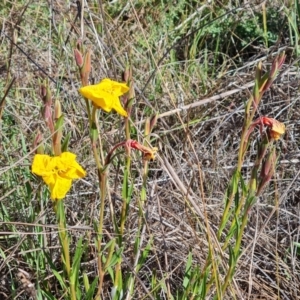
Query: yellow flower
276	128
149	154
105	95
57	172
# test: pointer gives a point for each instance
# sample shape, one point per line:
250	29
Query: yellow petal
119	108
95	94
68	157
60	188
105	103
40	165
278	127
50	180
118	88
151	154
276	136
72	168
113	87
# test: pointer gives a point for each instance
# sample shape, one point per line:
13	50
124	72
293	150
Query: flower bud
86	67
56	139
147	127
153	122
127	75
276	66
43	91
45	94
268	166
78	58
57	109
267	170
47	113
37	143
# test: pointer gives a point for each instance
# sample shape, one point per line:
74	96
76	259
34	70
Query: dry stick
206	100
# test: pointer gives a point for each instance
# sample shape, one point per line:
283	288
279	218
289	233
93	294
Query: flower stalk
58	173
64	242
261	85
243	194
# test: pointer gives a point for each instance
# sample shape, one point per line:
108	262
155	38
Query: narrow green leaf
144	255
86	282
187	274
125	185
42	295
53	269
59	123
297	4
244	187
65	143
130	191
203	282
91	291
111	249
231	256
76	263
114	259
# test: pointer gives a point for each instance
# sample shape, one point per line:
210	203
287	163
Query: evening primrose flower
275	128
57	172
105	95
149	154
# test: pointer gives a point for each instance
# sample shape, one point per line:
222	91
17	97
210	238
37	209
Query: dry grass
197	146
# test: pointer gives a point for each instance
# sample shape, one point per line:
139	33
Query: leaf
125	185
60	279
76	263
187	273
59	123
144	255
65	144
86	282
91	291
114	259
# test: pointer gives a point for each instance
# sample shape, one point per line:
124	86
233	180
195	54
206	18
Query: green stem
236	252
64	242
102	180
249	115
124	207
88	109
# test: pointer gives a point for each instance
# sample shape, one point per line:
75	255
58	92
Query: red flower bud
78	58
